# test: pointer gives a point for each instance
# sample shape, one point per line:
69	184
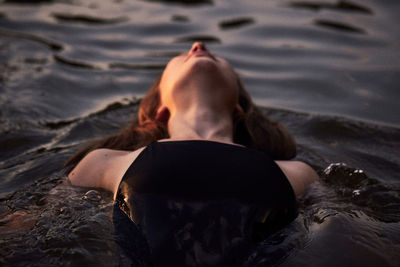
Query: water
329	70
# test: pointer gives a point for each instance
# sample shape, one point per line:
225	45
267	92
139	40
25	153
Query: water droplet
356	192
92	195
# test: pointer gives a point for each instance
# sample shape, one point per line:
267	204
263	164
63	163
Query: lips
200	53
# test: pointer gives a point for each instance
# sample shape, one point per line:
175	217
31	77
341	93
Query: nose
198	46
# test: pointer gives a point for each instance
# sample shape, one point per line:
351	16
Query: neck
201	123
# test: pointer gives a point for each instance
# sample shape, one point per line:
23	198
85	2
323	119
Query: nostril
203	47
198	46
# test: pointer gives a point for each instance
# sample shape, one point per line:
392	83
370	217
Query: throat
201	124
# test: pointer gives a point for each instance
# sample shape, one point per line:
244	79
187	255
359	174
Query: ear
163	114
238	110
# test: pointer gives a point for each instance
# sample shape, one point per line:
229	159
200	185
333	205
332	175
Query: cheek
231	77
171	71
227	69
166	85
164	92
166	78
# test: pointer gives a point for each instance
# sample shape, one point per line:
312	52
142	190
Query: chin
205	72
204	64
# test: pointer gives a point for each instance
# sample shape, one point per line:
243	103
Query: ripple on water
185	2
53	45
198	38
339	6
338	26
235	23
75	63
53	222
87	19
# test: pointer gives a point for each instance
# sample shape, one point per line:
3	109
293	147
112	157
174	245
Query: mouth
201	53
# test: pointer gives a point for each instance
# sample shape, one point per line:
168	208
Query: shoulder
90	170
102	168
299	174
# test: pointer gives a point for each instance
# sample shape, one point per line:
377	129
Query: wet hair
252	129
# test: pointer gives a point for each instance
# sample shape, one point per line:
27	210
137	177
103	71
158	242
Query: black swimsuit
200	203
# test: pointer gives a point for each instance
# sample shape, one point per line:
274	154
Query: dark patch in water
235	23
28	1
185	2
340	5
331	128
54	125
197	38
74	63
338	26
50	43
18	142
128	66
31	195
180	18
87	19
40	61
378	200
45	222
116	106
163	54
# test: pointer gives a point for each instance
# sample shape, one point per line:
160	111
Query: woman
200	183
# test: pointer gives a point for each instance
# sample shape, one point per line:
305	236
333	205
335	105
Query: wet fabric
200	203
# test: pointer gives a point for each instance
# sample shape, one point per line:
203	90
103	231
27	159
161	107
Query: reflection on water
185	2
51	44
197	38
136	67
235	23
180	18
29	2
62	17
339	5
71	71
74	63
338	26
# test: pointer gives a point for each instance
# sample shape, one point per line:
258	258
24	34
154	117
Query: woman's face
201	69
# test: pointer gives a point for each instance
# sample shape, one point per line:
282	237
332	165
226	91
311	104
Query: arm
299	174
102	168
